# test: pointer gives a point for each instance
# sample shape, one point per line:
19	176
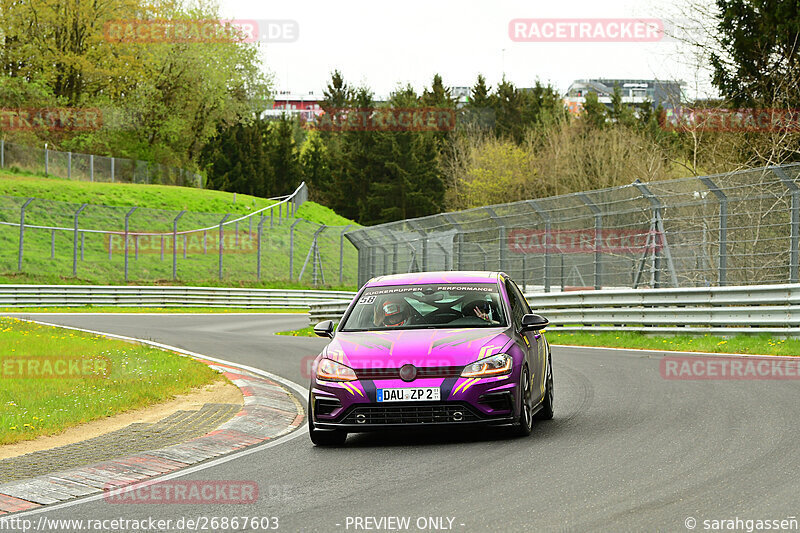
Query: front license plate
416	394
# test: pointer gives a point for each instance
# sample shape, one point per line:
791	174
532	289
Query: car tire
546	412
323	437
524	425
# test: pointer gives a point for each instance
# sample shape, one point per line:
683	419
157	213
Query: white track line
672	352
192	469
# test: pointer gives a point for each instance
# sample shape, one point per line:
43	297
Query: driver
391	313
482	309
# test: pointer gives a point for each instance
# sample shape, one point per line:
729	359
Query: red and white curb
270	411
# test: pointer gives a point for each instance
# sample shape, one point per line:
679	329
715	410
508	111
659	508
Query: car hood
420	347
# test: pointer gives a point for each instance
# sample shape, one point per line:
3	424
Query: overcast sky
382	44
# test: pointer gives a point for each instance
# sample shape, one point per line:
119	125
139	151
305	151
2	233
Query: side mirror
533	322
324	329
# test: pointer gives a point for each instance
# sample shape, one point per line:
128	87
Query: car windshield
441	305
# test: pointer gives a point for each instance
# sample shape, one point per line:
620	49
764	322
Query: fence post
258	248
2	153
280	212
75	241
424	236
205	242
341	253
112	170
661	233
162	247
794	235
52	244
222	241
185	238
547	239
22	232
723	229
271	217
127	218
459	240
501	231
598	239
91	167
291	247
46	159
175	245
83	242
69	165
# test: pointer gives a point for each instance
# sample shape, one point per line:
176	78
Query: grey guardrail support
22	232
722	198
547	240
127	220
75	241
658	213
175	245
794	237
341	252
221	242
598	238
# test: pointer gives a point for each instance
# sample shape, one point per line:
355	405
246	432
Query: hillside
56	201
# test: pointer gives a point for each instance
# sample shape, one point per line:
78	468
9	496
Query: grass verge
740	344
48	256
34	402
305	332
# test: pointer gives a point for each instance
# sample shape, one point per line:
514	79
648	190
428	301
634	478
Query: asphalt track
627	450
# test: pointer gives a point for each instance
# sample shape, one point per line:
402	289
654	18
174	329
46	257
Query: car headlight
496	365
330	370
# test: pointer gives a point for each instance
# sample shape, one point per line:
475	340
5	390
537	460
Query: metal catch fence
119	244
88	167
739	228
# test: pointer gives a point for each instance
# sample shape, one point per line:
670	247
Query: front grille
410	414
422	372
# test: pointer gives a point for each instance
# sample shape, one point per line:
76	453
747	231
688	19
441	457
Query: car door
533	340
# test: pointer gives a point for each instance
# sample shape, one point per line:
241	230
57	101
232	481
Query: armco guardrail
772	309
22	296
332	310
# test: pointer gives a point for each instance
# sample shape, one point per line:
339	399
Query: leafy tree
620	113
315	165
594	112
757	60
284	156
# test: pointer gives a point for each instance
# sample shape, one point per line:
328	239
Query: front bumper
487	402
411	415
